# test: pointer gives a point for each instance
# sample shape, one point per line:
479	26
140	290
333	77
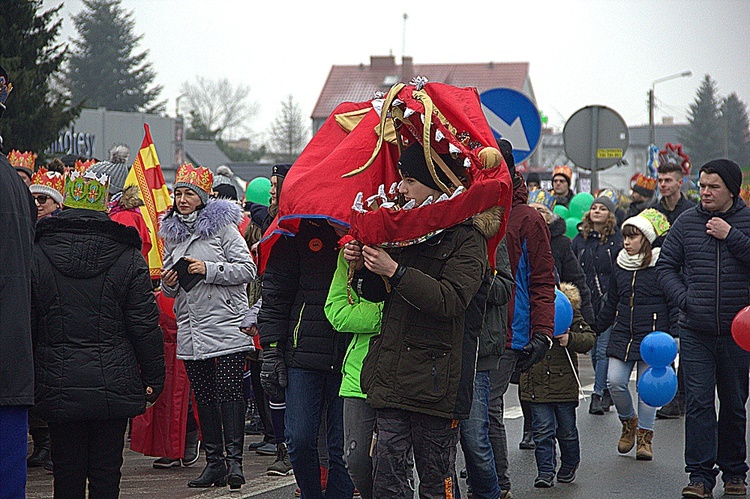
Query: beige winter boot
643	451
627	439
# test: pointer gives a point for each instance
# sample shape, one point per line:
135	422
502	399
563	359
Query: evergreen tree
735	130
28	51
288	134
104	71
703	138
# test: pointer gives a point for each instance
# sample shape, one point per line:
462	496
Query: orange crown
200	177
19	159
46	178
82	166
645	182
565	171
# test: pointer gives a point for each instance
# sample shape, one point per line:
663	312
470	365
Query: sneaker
257	445
544	481
282	466
37	458
566	474
735	486
670	411
596	405
356	493
49	466
164	462
607	401
267	449
697	490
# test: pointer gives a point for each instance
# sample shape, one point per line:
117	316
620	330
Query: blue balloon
563	313
657	386
658	349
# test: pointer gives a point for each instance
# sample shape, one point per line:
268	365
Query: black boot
527	443
233	417
41	453
192	448
215	472
596	405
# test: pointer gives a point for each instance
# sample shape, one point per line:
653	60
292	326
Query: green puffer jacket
421	361
361	318
552	379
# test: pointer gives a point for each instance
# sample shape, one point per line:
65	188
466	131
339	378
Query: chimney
407	68
382	61
667	120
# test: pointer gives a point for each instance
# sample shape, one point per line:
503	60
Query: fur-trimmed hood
574	295
488	222
130	198
217	214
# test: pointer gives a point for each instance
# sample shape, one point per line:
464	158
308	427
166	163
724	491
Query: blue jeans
309	391
600	361
552	421
475	442
714	363
619	377
13	430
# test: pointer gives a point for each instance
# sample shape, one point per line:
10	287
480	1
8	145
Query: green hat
88	190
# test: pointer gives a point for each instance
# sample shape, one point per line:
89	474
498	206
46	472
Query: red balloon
741	328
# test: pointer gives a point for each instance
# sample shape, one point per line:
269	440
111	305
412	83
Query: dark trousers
714	364
13	450
499	380
434	441
261	402
359	423
555	421
90	450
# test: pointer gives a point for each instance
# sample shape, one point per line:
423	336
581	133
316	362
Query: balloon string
580	387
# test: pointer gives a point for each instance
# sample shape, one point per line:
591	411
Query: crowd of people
367	364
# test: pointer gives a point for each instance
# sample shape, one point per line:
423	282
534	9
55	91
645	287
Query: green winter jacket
552	379
362	319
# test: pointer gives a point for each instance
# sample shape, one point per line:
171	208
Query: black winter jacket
17	219
597	261
635	306
709	279
682	206
295	287
567	266
97	341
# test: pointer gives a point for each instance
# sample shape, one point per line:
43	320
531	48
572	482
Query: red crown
19	159
200	177
642	180
82	166
563	170
49	179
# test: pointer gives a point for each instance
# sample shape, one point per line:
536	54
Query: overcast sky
581	52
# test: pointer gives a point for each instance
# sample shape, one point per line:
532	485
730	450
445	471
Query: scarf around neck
633	262
189	219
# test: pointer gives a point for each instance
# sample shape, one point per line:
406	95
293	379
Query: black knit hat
412	164
728	170
280	170
533	177
506	149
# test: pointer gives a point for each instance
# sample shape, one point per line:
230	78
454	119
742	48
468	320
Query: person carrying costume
202	241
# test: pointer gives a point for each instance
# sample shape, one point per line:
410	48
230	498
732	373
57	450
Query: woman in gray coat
203	243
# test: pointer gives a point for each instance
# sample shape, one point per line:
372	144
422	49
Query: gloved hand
273	376
534	351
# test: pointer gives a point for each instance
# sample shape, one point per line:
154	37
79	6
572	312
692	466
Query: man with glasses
703	270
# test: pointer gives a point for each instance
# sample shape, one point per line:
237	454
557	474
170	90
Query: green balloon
258	191
561	211
580	204
572	227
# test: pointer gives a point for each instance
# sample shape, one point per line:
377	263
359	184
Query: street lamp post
651	130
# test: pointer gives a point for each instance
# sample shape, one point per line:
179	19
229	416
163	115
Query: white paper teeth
453	149
426	202
458	191
394	188
396	102
358	206
377	105
443	197
467	163
421	117
408	112
439	136
409	205
381	193
389	205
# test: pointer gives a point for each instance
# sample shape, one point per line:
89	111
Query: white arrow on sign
513	132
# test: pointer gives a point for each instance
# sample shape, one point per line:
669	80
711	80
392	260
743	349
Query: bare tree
219	106
288	135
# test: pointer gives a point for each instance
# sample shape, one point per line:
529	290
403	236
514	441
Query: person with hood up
97	343
201	239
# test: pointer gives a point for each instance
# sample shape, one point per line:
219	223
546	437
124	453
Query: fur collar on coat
217	214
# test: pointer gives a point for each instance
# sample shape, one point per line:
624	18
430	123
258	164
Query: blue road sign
514	117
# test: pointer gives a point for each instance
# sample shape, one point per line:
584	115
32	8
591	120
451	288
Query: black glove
534	351
273	377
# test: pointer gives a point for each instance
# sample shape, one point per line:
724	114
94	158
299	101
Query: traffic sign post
513	116
595	138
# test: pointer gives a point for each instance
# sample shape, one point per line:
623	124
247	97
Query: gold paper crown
19	159
563	170
645	182
200	177
82	166
46	178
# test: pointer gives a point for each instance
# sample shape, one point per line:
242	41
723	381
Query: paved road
603	472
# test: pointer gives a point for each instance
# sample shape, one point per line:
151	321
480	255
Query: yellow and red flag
147	175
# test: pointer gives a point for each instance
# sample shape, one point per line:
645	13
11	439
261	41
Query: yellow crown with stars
19	159
200	177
